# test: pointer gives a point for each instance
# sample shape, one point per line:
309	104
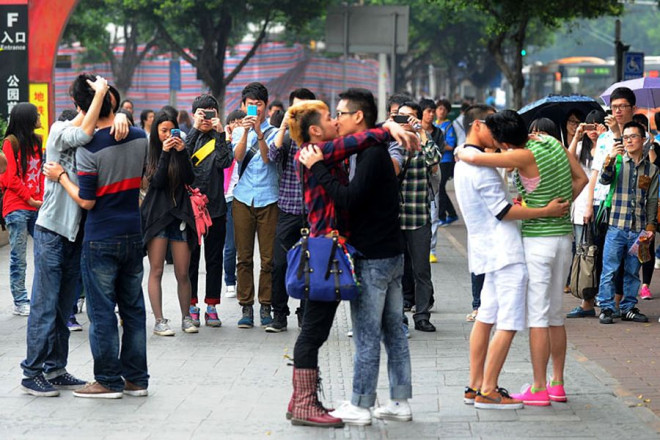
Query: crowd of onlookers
105	190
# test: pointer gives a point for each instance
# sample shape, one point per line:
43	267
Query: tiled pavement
234	384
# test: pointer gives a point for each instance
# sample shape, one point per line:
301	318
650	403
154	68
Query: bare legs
545	342
487	359
156	250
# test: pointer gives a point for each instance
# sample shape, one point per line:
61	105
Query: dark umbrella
557	108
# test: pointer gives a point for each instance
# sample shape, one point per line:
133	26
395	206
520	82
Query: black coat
160	207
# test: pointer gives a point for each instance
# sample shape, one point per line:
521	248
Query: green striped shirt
556	181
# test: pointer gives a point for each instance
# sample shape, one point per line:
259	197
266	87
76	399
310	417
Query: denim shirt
258	186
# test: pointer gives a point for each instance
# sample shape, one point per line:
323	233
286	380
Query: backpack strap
203	152
252	151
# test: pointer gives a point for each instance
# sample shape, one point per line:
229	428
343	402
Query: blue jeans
615	250
56	272
376	316
20	223
112	274
230	250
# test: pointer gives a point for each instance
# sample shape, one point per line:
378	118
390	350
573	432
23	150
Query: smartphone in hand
209	114
400	119
175	132
251	110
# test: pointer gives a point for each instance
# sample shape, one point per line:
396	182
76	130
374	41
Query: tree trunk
513	73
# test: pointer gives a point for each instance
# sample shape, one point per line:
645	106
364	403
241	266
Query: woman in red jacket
23	193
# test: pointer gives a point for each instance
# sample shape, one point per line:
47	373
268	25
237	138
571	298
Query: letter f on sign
12	17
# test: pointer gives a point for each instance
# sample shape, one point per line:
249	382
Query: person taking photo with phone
211	154
167	217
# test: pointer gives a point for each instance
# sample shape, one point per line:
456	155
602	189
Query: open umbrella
647	91
557	108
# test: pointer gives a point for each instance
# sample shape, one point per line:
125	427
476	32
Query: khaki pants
249	220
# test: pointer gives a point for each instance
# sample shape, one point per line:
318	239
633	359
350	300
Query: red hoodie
19	189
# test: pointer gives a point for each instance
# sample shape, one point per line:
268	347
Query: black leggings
317	323
649	266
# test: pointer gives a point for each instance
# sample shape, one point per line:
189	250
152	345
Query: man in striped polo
109	176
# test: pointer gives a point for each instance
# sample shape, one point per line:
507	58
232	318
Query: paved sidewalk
235	384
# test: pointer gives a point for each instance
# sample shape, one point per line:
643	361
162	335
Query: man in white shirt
495	249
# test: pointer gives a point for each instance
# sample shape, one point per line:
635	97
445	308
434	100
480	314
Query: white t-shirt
580	203
492	243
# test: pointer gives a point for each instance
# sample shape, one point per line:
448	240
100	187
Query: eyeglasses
630	137
342	113
622	107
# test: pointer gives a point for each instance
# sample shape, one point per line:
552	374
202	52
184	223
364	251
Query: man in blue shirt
446	213
255	203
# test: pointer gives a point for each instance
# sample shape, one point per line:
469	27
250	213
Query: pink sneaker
539	398
645	293
556	392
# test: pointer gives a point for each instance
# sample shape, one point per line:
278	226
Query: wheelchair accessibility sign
633	65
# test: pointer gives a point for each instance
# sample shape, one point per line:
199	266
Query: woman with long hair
167	216
24	188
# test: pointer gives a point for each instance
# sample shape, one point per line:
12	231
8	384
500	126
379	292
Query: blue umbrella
647	91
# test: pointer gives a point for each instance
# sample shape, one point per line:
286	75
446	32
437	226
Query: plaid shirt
415	186
322	215
289	197
633	208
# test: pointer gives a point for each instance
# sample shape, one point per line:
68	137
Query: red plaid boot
289	408
307	410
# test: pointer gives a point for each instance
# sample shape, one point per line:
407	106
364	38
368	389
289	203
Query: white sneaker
397	410
349	333
231	292
657	263
21	310
162	328
352	415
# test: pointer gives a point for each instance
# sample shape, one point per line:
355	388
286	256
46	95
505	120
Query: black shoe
606	316
634	315
278	325
424	325
407	306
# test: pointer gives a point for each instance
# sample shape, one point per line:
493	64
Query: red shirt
18	189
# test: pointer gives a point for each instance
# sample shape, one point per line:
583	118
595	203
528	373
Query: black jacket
209	174
160	207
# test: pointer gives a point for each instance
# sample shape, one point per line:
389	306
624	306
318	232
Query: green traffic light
523	52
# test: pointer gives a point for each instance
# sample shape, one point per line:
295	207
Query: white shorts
503	298
548	262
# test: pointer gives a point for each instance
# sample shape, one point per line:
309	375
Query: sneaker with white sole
131	389
39	386
22	309
79	305
193	311
352	415
95	390
396	410
73	324
231	292
67	381
188	326
162	328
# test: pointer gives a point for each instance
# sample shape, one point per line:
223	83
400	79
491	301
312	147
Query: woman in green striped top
544	171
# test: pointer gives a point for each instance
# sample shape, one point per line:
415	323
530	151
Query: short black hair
595	117
205	101
623	93
656	119
398	98
83	94
277	118
301	93
476	112
508	127
112	90
642	119
427	103
363	100
445	103
634	124
276	103
413	105
545	125
464	106
255	90
236	114
67	115
145	115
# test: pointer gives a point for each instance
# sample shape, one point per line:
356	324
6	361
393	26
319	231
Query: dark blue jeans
20	223
56	271
112	274
229	257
